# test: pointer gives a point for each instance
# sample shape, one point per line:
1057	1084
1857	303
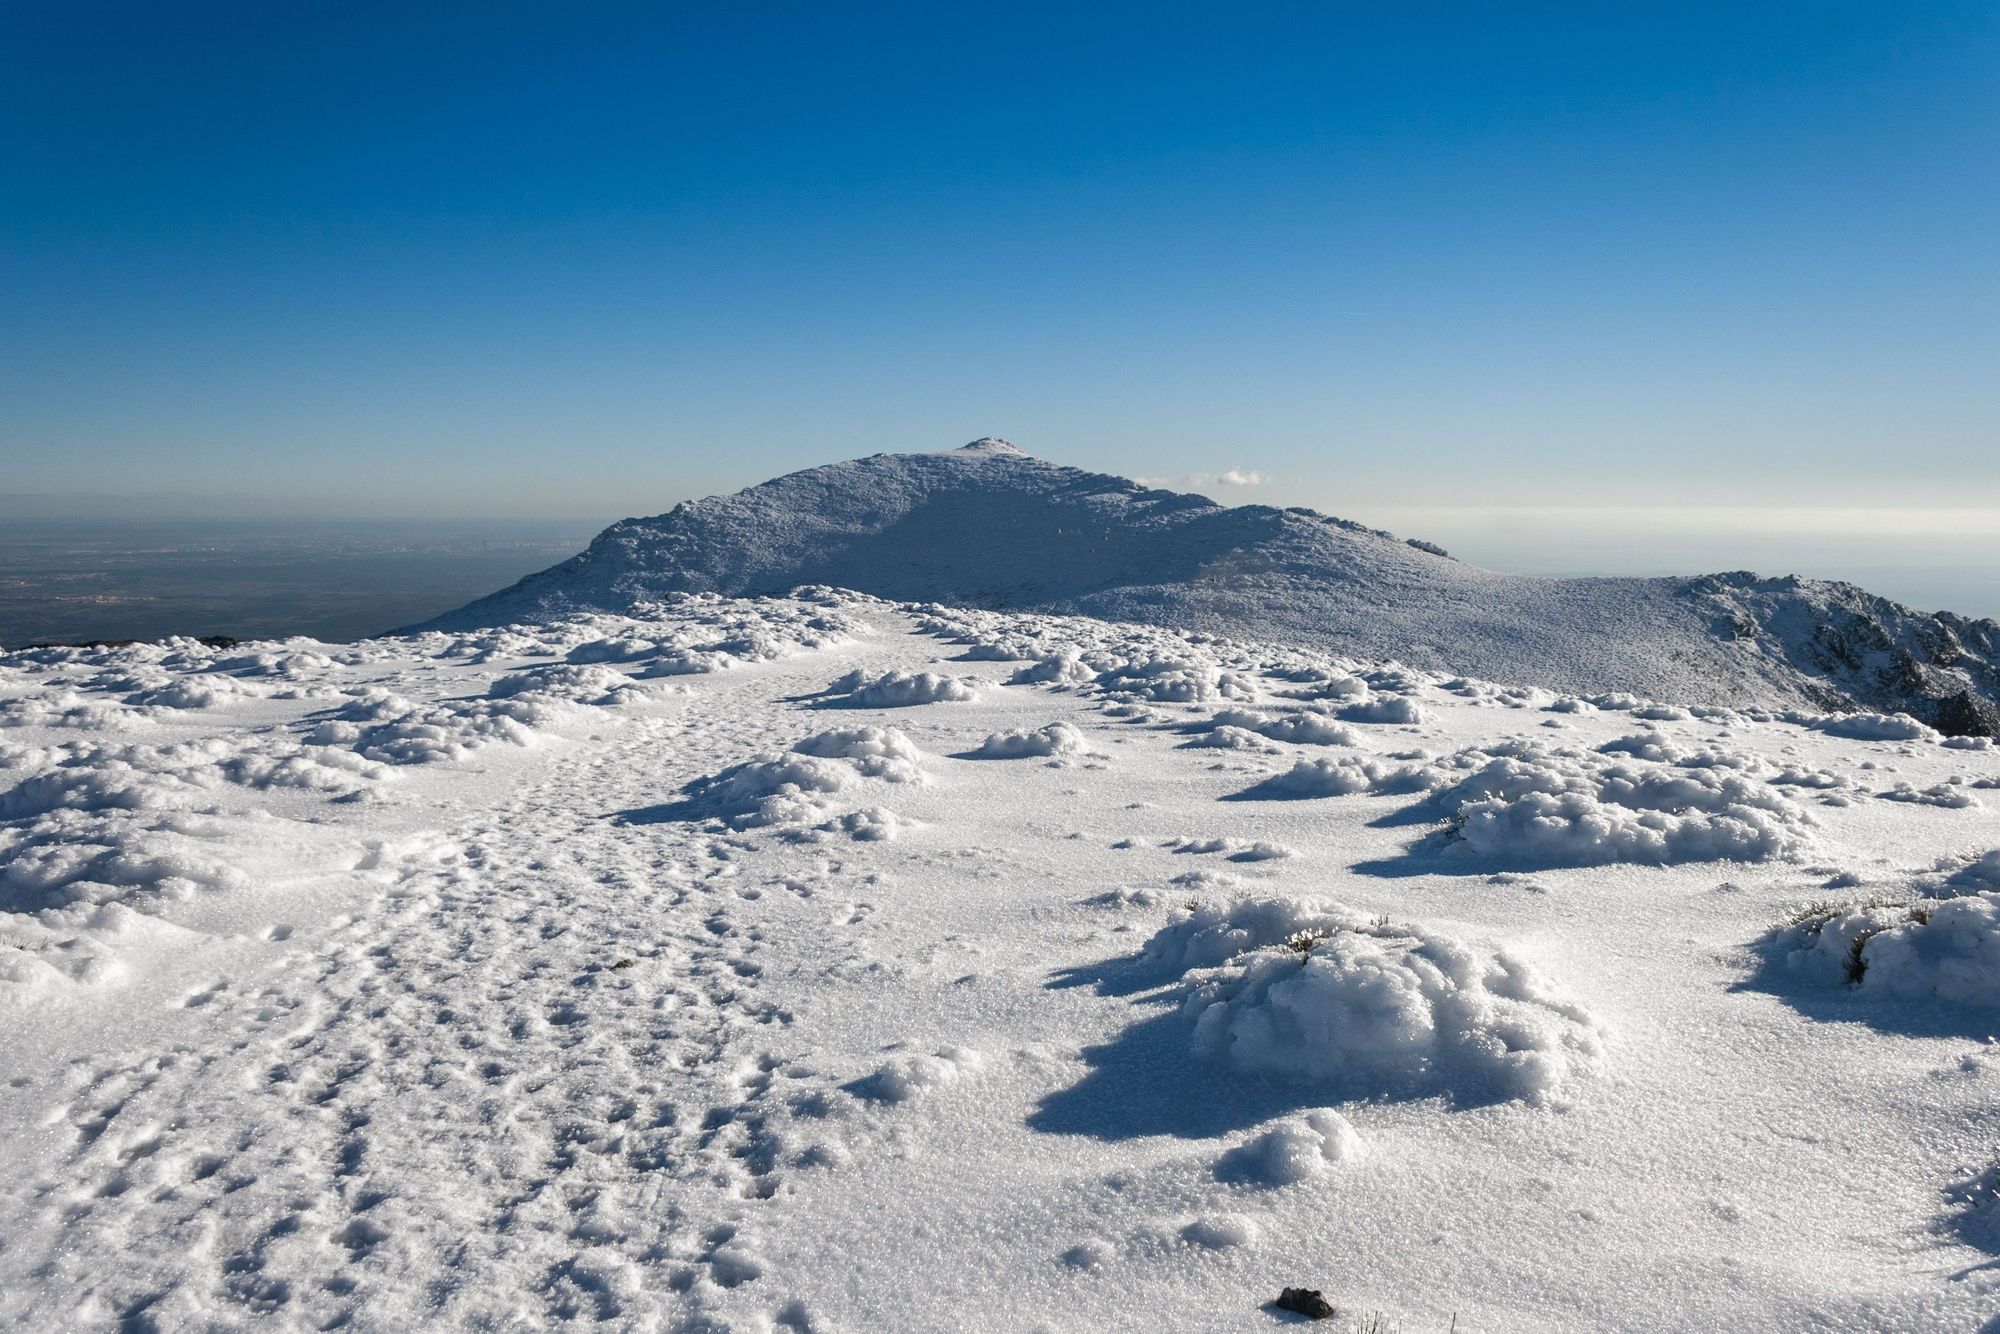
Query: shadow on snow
1148	1081
1847	1003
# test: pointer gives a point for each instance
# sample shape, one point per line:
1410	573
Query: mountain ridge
988	525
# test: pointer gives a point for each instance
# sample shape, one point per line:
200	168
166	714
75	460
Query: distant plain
70	580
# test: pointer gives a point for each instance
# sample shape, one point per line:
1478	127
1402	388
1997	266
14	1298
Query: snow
1305	728
1058	738
1875	727
1317	993
990	526
610	970
899	690
1947	952
1530	804
1341	777
1298	1149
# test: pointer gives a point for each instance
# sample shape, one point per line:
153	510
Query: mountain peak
986	525
991	444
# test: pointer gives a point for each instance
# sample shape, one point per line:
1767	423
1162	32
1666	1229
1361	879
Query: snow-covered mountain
990	526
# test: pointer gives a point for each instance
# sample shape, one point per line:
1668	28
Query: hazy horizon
343	576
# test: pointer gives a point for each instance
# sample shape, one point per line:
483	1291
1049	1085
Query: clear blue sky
592	259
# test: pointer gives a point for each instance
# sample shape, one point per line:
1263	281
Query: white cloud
1233	477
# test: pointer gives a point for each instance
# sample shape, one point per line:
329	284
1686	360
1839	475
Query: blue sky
496	259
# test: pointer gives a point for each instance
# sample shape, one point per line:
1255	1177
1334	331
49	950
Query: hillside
989	526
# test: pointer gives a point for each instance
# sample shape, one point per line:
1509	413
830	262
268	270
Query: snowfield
821	963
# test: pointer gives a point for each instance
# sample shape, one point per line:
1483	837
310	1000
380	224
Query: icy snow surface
815	963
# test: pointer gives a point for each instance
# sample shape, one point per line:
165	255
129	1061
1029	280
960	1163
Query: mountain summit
987	525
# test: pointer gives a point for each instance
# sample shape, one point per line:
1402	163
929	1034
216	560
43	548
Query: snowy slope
820	964
989	526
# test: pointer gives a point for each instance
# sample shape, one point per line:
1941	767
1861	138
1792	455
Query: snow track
543	1037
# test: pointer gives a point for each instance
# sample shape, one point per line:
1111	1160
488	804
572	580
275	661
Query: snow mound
1871	726
875	752
1217	931
1305	728
1225	737
1564	808
911	1076
1221	1232
1237	849
1057	738
1946	952
1174	681
1060	669
1315	992
582	683
771	790
68	708
1342	777
69	858
449	731
1383	709
1298	1149
899	689
795	792
41	962
1967	874
1951	796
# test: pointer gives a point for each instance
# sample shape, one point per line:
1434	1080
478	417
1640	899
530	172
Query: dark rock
1308	1302
1965	714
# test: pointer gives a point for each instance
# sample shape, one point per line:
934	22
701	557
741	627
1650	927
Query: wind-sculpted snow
795	792
1316	992
1304	727
898	690
1546	807
1056	739
908	1077
1224	737
1931	938
1299	1149
566	681
1342	777
1055	669
989	526
875	752
1945	952
1951	795
70	857
1869	726
1383	709
117	808
609	970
